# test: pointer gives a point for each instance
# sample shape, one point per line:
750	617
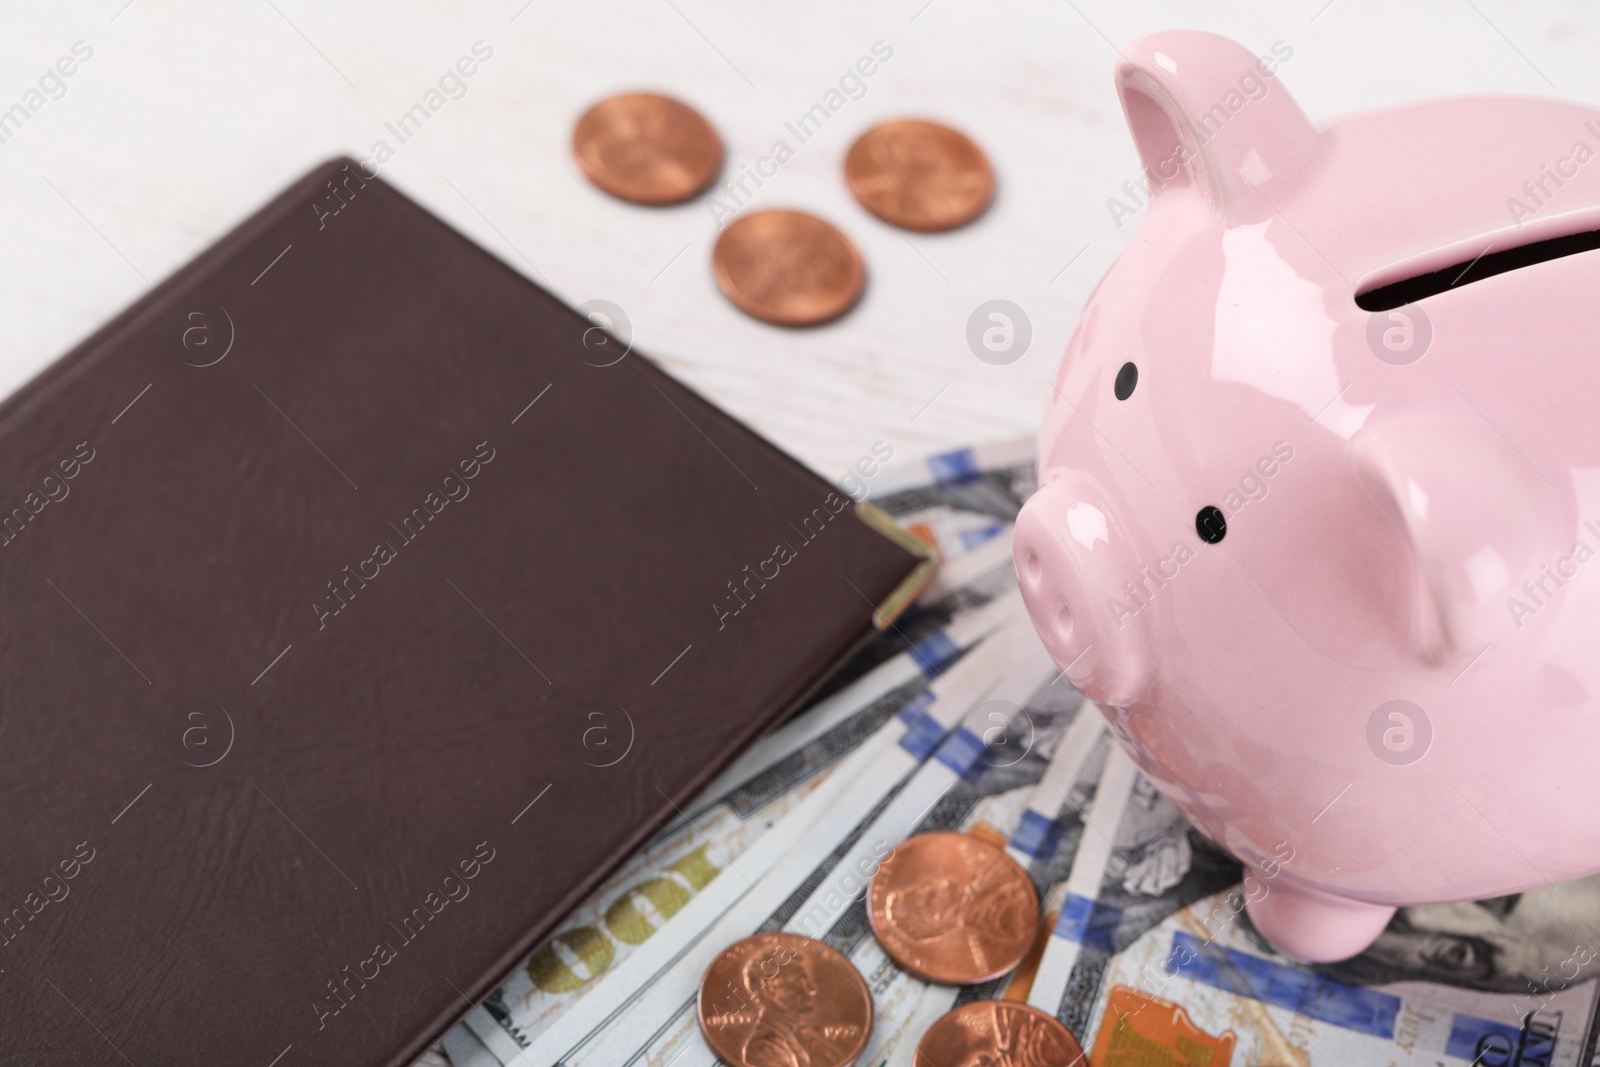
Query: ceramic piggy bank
1319	516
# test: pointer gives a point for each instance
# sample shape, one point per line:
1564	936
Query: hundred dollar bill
1138	862
1057	801
1042	840
913	666
982	732
872	771
991	479
953	531
967	507
477	1042
1153	960
1203	979
975	776
963	504
990	800
961	586
900	999
972	578
966	514
1083	882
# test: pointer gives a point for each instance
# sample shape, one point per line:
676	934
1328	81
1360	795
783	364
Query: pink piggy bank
1320	490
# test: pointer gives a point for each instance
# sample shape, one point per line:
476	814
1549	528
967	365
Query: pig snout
1072	556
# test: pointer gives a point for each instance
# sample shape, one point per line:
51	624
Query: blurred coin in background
919	175
789	268
647	148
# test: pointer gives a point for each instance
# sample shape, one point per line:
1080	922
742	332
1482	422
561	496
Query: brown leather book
364	606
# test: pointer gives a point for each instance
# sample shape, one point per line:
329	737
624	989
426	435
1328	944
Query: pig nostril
1063	620
1033	567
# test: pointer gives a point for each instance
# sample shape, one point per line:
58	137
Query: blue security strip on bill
935	652
1036	835
1352	1007
1358	1008
960	751
1085	921
923	736
1078	920
1208	967
916	708
1052	806
951	468
956	466
971	539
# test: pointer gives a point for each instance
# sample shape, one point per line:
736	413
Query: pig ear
1208	115
1479	519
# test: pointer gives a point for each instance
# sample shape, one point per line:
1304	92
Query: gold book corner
905	594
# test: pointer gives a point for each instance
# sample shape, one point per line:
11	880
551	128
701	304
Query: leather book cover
364	606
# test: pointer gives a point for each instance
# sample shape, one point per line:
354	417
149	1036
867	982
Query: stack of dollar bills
956	719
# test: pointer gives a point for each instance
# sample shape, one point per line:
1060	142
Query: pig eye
1211	524
1127	378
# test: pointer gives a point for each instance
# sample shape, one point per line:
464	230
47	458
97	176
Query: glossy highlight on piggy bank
1317	481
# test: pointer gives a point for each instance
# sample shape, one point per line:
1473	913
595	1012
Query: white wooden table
190	113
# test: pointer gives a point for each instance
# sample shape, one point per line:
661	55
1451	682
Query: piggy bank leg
1314	925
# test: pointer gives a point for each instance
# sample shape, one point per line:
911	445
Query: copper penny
783	998
919	175
647	148
951	908
788	267
998	1033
